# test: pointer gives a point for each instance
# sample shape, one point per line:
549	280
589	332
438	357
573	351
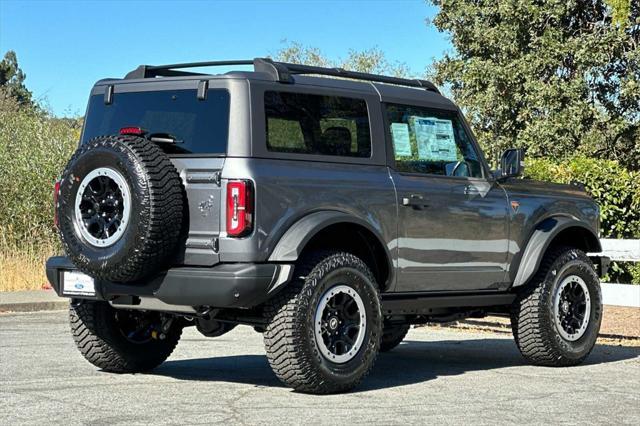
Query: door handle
471	190
415	201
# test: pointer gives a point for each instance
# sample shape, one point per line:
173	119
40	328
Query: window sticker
401	140
435	139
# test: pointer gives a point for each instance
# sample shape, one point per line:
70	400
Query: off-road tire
289	338
532	314
156	214
99	340
392	336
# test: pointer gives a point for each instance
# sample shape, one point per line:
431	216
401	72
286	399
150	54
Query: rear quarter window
314	124
198	126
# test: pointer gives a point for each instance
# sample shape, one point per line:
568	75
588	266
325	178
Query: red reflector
56	193
239	208
138	131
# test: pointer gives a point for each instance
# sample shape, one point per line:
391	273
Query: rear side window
313	124
198	126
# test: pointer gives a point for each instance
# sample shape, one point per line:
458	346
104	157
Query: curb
500	328
33	306
31	301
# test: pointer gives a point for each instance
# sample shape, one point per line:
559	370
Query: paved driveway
437	376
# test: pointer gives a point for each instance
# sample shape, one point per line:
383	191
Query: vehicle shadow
416	361
411	362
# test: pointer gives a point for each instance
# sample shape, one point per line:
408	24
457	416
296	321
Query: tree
557	77
371	60
12	80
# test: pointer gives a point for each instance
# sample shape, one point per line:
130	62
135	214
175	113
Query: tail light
129	130
239	208
56	193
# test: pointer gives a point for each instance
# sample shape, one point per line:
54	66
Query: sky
65	46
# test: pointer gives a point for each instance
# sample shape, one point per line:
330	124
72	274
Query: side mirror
512	163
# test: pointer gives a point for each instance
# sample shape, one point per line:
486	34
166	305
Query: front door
452	219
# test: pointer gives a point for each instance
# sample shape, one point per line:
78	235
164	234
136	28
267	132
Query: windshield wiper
164	138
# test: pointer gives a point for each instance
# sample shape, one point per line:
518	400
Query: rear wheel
324	330
122	341
556	318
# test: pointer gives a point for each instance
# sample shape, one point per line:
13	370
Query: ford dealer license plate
77	284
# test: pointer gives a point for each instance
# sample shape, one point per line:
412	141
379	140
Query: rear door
195	132
452	220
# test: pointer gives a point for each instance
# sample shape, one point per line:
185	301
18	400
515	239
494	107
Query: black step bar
425	304
281	72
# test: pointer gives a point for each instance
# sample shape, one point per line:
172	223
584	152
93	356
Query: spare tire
120	208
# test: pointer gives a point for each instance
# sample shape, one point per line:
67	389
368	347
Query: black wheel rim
572	307
340	324
102	207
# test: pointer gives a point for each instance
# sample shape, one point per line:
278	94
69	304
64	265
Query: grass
34	147
23	269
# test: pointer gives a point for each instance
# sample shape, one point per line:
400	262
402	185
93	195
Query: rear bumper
233	285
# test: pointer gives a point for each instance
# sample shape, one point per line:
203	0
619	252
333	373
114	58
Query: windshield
196	126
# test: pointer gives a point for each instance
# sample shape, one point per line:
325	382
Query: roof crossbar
150	71
279	71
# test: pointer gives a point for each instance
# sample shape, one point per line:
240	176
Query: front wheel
556	318
121	341
324	330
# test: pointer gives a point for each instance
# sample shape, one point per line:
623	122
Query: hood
537	187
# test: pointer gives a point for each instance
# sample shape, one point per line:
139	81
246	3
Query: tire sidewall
103	152
352	370
570	264
129	350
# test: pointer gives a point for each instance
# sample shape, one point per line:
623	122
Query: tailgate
201	178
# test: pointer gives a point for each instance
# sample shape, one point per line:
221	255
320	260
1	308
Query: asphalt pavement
438	376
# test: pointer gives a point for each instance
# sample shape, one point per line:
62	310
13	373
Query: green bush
634	271
614	188
34	148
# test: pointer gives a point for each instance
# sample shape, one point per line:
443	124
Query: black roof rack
280	71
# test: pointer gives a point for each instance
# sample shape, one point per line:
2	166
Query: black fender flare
294	240
539	242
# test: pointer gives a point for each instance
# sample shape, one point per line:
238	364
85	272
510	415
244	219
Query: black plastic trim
602	264
424	304
234	285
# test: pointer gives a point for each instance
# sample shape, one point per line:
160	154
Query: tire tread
95	342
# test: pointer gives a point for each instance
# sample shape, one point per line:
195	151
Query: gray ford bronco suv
327	213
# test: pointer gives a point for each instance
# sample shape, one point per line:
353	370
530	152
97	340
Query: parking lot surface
437	376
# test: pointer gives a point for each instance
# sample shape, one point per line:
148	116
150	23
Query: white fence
621	251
